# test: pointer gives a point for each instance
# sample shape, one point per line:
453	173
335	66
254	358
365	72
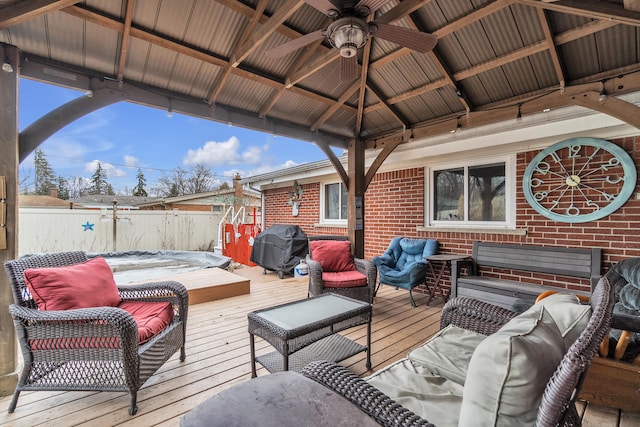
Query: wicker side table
307	330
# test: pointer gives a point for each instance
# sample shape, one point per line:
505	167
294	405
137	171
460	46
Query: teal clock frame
628	187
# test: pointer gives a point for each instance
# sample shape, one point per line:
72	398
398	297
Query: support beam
355	221
326	149
614	107
26	10
9	171
36	133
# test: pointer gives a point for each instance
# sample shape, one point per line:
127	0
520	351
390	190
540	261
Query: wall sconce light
295	198
6	66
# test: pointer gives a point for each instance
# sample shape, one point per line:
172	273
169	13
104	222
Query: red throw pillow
89	284
333	255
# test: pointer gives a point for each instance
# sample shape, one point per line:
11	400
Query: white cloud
110	170
131	161
214	153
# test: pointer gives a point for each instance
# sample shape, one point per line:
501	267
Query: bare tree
198	179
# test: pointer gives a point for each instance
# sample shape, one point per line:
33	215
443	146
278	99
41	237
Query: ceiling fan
350	31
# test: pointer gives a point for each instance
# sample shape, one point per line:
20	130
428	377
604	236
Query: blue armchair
403	264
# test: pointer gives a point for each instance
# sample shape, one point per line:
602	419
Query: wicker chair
318	286
557	405
90	349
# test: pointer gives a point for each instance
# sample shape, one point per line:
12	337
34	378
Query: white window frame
510	192
323	201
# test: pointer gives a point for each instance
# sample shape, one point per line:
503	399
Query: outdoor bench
512	294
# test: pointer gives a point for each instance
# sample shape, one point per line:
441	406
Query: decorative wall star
88	226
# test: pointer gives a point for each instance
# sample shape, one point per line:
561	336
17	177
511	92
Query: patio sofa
487	366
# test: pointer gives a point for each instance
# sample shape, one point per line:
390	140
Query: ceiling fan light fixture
348	35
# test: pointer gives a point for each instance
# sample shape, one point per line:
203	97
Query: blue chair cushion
403	264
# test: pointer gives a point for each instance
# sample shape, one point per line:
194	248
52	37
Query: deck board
218	357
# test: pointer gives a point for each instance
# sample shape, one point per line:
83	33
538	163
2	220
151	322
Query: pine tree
139	190
44	176
63	188
99	183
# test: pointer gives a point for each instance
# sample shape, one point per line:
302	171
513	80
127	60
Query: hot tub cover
280	248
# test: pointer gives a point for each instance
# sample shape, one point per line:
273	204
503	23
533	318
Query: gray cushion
412	385
570	315
509	370
448	352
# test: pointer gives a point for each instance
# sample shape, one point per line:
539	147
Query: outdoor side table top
307	330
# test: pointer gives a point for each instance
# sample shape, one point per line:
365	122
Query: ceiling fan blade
412	39
295	44
371	5
324	6
348	68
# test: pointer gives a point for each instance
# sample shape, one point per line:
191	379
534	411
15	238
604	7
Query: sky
124	136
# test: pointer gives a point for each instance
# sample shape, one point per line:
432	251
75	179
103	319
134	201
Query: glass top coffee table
307	330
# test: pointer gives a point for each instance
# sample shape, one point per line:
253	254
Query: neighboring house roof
31	201
225	196
102	201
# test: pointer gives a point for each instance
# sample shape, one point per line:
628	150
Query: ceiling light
603	95
348	35
6	66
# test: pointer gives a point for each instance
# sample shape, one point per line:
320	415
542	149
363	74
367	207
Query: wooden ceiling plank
590	9
126	31
249	12
470	18
387	106
222	80
551	46
401	10
583	31
335	107
554	98
26	10
268	28
431	86
192	52
501	60
304	72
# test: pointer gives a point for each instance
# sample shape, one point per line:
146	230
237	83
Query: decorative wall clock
579	180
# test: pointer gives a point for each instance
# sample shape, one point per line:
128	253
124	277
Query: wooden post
8	169
357	189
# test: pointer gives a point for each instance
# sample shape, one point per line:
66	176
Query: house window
335	197
474	194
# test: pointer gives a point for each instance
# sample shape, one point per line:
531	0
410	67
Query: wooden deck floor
218	357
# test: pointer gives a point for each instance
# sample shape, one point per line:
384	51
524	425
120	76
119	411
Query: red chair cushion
84	285
333	255
151	317
344	279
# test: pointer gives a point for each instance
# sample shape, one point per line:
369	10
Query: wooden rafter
560	39
192	52
551	46
284	11
590	9
389	108
366	55
222	80
124	47
26	10
302	59
331	110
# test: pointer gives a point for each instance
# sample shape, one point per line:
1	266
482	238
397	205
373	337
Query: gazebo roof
494	60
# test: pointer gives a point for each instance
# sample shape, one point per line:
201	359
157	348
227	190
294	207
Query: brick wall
394	206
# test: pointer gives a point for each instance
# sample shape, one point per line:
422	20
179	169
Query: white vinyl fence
57	230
